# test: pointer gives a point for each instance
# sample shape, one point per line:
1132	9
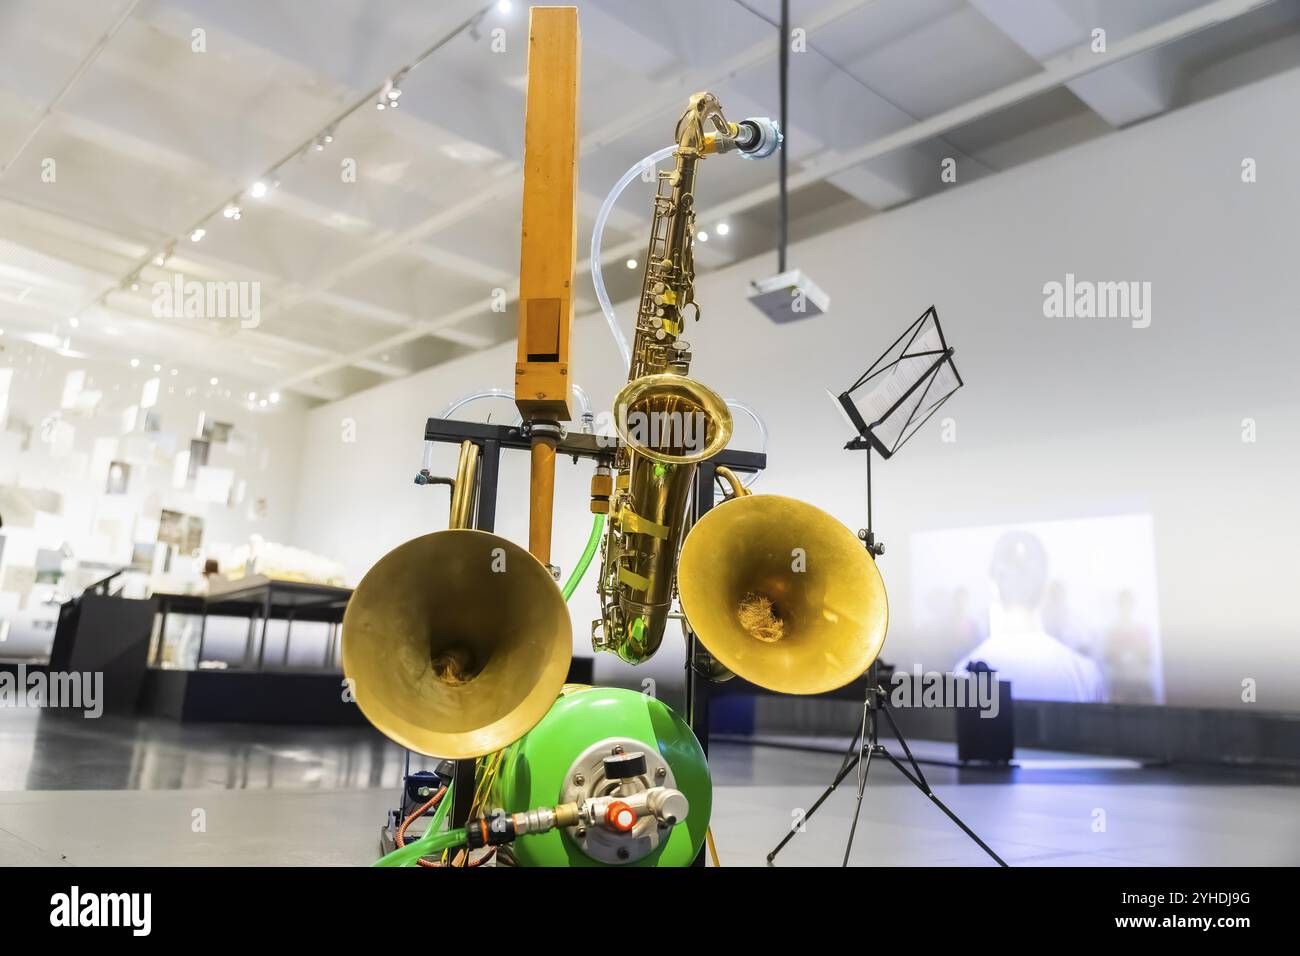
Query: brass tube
738	489
541	501
462	492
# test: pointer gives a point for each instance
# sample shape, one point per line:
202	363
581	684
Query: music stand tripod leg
923	785
851	758
870	742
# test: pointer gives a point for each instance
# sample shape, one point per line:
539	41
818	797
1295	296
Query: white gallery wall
1189	425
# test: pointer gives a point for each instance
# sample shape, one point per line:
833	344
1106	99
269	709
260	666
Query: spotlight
262	404
504	5
174	371
258	190
198	234
722	229
74	321
702	236
231	211
252	396
213	381
390	94
157	368
135	363
161	258
631	263
135	284
274	397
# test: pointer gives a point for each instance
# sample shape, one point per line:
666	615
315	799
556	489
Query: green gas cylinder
564	759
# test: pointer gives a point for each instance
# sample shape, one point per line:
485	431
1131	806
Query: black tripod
866	744
909	396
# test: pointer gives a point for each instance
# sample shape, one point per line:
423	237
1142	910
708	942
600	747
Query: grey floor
140	792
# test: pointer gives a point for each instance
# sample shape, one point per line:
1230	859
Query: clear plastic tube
584	403
587	419
478	396
598	232
762	436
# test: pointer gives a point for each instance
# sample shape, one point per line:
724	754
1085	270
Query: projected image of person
1039	666
1128	655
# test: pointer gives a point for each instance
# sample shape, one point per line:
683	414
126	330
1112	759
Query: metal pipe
462	492
738	489
541	499
783	72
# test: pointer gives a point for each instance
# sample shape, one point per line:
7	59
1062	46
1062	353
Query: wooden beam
549	242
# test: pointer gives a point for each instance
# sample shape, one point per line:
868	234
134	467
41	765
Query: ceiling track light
391	93
388	98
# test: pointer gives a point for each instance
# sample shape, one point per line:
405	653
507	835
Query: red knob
620	817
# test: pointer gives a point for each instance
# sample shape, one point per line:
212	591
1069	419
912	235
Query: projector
788	296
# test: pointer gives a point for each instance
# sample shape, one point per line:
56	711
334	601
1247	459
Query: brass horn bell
782	594
458	642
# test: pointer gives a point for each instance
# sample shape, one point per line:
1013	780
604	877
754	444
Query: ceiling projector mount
790	294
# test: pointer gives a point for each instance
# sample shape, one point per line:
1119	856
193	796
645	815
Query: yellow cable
713	847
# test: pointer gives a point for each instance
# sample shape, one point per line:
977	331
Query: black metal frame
491	440
867	437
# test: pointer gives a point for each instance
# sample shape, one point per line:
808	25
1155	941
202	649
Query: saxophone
668	422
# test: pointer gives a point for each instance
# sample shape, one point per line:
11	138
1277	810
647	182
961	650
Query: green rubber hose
430	842
584	562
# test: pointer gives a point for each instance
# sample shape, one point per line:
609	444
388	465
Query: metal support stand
492	439
866	740
697	682
866	744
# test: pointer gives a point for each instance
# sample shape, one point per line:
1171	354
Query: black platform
253	697
265	697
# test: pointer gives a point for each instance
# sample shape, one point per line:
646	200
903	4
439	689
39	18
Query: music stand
887	405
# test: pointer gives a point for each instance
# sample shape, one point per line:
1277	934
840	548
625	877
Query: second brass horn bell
457	643
782	594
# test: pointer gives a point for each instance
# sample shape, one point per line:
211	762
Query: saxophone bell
668	423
